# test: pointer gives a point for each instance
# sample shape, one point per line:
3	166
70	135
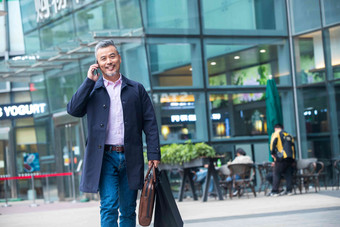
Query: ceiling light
237	57
262	51
212	63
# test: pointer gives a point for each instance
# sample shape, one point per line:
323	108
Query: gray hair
103	44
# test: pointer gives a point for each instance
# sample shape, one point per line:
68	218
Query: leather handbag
147	198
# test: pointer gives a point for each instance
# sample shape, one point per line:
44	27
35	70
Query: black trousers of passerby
283	168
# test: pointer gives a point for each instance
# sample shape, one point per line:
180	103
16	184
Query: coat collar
100	82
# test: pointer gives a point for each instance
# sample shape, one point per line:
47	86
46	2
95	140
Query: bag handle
153	173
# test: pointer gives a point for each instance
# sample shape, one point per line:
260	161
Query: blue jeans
200	177
115	192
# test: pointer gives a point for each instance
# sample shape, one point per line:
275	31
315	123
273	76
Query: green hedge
179	153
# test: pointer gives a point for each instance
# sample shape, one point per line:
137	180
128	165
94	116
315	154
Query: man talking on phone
118	110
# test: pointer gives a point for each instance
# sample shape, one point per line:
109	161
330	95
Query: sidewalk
311	209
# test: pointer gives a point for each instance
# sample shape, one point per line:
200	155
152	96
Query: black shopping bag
166	211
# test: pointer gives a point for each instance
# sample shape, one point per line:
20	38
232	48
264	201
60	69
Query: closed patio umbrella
273	109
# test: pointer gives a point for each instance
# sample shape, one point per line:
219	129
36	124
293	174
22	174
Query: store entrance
70	152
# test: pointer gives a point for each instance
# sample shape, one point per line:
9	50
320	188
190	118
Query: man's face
109	60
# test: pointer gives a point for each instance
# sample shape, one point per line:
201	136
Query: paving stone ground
307	209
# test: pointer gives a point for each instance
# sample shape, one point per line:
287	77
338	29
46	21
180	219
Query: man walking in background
118	110
282	149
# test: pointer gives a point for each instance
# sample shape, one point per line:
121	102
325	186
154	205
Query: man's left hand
155	163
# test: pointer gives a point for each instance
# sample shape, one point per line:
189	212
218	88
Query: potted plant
185	155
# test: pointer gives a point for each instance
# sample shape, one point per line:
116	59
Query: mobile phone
95	72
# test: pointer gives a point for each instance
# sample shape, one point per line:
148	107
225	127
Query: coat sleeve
273	144
150	127
77	105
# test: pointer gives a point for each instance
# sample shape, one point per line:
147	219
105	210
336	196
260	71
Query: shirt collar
117	82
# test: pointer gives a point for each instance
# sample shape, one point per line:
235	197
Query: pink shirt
115	124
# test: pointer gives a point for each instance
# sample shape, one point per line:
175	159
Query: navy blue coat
92	99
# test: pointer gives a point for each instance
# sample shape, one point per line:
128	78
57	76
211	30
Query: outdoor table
199	162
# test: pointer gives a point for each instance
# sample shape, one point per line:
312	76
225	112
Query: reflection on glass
337	100
310	65
334	35
331	13
132	53
247	64
241	114
243	15
32	42
163	15
171	65
28	15
96	19
315	109
305	15
182	116
62	86
38	92
57	33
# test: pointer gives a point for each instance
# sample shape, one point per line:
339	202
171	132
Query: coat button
104	106
101	125
99	146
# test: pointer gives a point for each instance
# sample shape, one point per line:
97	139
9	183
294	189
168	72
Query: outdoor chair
224	173
308	171
264	169
246	172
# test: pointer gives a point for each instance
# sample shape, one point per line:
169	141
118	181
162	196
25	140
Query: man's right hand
91	73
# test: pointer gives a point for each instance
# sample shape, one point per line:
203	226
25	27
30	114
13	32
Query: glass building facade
204	63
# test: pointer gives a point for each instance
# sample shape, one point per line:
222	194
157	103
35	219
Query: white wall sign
21	110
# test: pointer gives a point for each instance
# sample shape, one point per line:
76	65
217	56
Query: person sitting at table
200	176
241	157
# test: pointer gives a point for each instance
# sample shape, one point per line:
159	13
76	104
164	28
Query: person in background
282	149
241	157
200	177
118	110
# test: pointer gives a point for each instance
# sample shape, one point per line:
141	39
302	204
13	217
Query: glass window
309	58
129	14
263	17
95	19
4	86
175	65
305	15
28	15
5	98
331	13
62	86
38	93
334	35
43	131
2	32
337	100
19	86
242	114
247	63
57	33
77	4
134	63
32	42
16	38
20	97
181	116
315	109
176	16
